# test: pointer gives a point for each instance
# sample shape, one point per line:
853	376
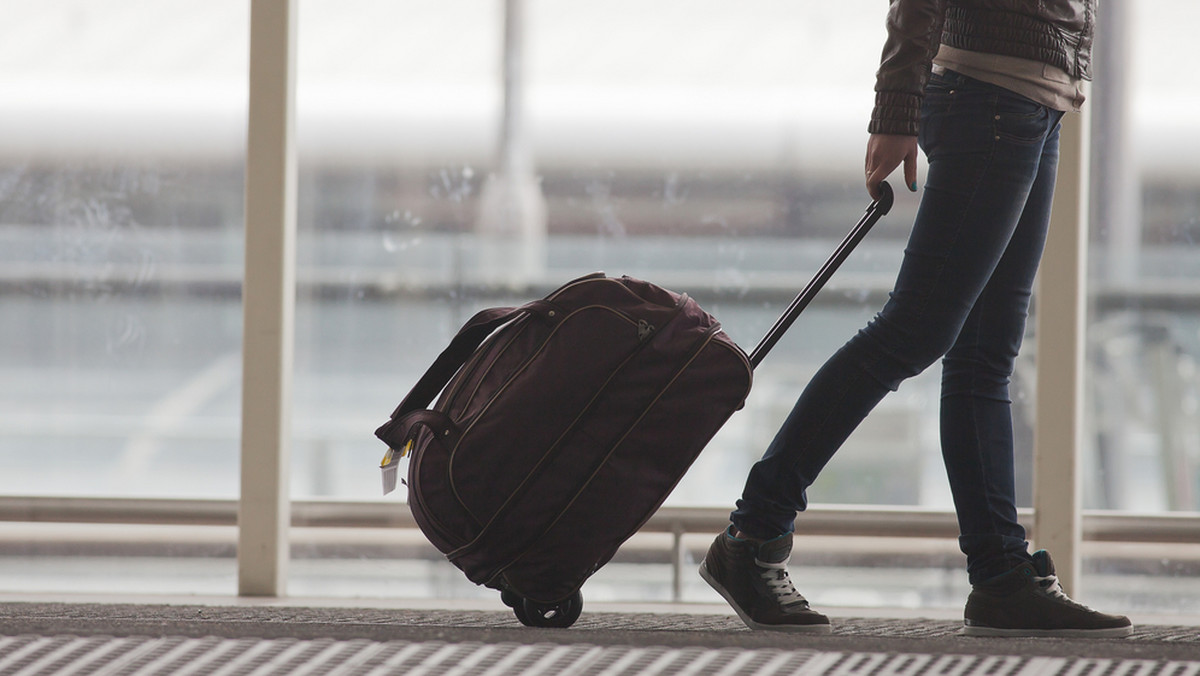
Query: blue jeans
962	295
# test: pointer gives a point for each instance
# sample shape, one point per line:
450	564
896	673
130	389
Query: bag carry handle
875	211
461	347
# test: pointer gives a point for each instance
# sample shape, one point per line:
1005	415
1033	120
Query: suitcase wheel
560	615
510	598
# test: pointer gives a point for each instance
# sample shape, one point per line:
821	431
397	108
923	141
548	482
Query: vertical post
268	301
513	150
512	220
1115	214
1061	316
678	562
1115	188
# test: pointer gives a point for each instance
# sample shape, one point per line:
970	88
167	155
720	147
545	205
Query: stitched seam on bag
746	393
456	390
523	486
702	342
553	447
741	354
415	494
469	366
550	298
515	331
502	350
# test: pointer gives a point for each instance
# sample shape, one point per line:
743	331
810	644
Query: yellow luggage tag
390	466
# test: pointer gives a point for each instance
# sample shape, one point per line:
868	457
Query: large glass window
714	149
120	243
447	164
1145	321
121	216
1143	441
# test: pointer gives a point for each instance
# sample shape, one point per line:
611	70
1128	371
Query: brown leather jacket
1057	32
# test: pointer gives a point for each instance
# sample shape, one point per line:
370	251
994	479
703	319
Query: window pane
714	148
1144	338
120	244
683	147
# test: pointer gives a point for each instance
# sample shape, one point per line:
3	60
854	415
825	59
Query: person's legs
962	293
976	411
1013	593
974	198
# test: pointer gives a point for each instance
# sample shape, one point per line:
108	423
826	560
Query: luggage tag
390	466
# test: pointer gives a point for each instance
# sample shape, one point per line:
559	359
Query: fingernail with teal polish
912	186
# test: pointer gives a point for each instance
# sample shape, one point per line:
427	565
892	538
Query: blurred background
446	165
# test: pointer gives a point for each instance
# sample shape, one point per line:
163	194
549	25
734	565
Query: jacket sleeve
914	32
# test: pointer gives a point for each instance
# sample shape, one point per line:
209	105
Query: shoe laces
1052	587
780	585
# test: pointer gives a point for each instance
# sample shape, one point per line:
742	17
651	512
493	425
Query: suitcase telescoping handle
875	211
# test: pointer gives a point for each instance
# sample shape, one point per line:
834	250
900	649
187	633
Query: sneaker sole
792	628
1110	632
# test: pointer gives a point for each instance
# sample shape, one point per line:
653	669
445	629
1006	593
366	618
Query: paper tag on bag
390	467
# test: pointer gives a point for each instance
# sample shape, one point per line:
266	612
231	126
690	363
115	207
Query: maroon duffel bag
563	425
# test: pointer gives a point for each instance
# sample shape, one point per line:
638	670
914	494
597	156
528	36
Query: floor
42	634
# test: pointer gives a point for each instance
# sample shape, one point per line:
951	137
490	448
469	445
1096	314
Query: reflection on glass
120	242
711	147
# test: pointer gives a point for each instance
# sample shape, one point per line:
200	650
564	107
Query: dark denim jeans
962	295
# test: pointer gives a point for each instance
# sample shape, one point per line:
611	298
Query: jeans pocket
1020	120
955	115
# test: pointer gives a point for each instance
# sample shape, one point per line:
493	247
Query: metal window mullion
1061	326
268	301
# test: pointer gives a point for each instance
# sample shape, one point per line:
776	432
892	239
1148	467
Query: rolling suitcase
563	424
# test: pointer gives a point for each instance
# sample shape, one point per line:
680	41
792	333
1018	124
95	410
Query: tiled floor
237	637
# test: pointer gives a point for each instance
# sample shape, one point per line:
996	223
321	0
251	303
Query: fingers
876	167
910	171
872	185
886	152
873	181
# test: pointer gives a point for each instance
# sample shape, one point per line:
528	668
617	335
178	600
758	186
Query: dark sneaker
1028	601
753	578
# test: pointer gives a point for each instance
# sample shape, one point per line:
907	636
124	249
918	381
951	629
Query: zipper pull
645	328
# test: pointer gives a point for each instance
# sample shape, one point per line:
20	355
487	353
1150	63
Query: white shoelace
1052	587
780	584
